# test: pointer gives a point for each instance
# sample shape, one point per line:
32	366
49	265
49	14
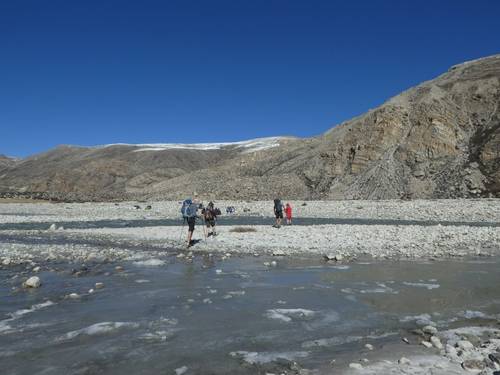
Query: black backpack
278	206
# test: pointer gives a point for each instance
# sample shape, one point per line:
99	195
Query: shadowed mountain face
440	139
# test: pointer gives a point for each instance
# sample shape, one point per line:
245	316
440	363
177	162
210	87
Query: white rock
99	285
36	269
278	253
91	291
369	346
436	342
404	361
218	272
6	262
430	330
53	227
274	263
32	282
465	345
451	350
356	366
427	344
74	296
181	370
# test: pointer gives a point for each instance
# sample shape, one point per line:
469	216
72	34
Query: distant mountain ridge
440	139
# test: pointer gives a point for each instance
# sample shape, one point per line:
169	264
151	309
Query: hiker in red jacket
288	213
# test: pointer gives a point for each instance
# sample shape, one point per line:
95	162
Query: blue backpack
188	208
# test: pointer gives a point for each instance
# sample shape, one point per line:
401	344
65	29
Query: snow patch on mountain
248	146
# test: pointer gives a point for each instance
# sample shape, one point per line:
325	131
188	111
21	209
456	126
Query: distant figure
278	212
210	215
288	213
189	212
230	210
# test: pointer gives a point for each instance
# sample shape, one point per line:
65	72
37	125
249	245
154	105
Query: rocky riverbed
365	287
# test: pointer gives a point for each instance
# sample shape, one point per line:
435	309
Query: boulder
427	344
6	262
465	345
474	365
32	282
430	330
436	342
356	366
404	361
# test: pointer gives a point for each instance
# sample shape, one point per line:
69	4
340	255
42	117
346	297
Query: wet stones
465	345
333	257
427	344
32	282
404	361
429	330
436	342
99	285
494	358
473	365
6	262
356	366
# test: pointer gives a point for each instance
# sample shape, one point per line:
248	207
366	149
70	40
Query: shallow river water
235	316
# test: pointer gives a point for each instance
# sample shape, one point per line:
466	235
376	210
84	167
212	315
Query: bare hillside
440	139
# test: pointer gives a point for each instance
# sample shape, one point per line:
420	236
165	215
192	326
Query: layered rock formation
440	139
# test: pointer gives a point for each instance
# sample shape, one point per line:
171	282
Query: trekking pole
204	228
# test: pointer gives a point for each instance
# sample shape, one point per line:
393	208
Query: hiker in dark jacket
210	214
278	212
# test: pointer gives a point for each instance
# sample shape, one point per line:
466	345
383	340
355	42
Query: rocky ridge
440	139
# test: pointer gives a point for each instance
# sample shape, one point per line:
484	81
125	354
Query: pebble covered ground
452	351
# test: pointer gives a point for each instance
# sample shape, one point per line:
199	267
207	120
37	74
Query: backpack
278	206
188	208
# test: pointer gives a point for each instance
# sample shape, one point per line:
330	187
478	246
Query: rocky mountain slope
440	139
5	161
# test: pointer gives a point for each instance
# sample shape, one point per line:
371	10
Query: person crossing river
189	211
210	214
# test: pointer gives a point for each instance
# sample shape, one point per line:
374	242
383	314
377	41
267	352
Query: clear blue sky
94	72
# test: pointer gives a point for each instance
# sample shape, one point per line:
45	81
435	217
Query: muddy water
236	316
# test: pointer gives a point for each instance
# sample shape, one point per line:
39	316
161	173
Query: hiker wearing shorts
288	213
278	212
210	216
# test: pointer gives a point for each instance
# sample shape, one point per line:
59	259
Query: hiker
288	213
278	212
189	212
210	215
